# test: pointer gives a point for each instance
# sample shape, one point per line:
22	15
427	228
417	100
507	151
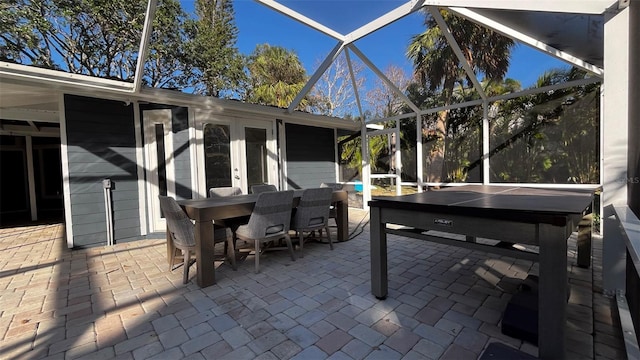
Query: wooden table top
233	206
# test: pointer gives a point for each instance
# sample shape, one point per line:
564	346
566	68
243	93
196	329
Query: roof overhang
33	98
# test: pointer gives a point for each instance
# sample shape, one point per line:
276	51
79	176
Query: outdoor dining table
515	215
207	211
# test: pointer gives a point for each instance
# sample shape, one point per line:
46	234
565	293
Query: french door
160	166
235	152
257	150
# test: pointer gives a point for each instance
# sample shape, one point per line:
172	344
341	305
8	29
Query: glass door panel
217	155
256	156
159	165
14	193
47	166
160	160
234	152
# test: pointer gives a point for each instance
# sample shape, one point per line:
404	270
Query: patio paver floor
122	302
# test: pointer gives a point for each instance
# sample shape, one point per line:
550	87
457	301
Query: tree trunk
435	170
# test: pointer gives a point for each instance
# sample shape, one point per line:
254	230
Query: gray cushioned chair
232	223
269	222
257	189
333	212
312	214
182	234
225	191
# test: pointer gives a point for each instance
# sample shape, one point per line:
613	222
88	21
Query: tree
350	150
547	137
94	37
212	52
385	102
166	65
437	67
89	37
333	94
463	160
276	76
21	28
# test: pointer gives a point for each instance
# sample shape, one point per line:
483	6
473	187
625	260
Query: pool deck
123	302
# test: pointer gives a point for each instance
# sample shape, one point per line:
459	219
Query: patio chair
181	230
269	221
225	191
260	188
232	223
333	212
312	214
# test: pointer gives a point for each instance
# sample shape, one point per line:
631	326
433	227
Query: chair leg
187	259
172	261
301	233
231	252
290	246
257	256
329	237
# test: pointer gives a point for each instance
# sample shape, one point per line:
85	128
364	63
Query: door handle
237	177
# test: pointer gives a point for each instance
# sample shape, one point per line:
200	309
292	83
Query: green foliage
437	66
20	29
276	76
90	37
218	65
439	70
548	137
102	38
350	150
167	65
351	153
379	154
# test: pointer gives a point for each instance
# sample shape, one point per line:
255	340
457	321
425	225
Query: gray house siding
310	156
101	144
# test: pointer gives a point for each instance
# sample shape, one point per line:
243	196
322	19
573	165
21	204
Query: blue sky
258	24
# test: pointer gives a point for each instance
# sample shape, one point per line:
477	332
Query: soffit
581	35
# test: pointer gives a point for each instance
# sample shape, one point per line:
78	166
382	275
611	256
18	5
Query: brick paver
121	301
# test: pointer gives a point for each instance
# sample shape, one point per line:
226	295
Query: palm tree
438	68
276	76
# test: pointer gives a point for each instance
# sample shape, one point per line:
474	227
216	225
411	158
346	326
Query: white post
419	170
33	204
398	155
337	155
66	187
366	168
142	194
633	184
485	143
615	125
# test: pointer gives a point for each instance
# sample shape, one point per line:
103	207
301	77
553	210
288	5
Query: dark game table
514	215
